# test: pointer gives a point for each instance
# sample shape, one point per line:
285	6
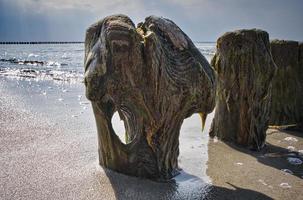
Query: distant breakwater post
245	69
287	90
154	77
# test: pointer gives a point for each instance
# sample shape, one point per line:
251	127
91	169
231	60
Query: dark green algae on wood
244	71
287	90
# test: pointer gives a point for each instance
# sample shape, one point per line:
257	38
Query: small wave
33	62
209	52
22	62
206	48
65	56
32	55
295	161
70	76
54	64
287	171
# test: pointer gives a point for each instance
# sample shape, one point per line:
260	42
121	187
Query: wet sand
48	147
264	172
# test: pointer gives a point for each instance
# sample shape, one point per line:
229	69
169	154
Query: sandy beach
48	147
210	93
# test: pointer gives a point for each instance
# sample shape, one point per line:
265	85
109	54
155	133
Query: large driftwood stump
155	77
287	90
244	69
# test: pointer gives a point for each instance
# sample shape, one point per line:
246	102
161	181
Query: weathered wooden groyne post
154	77
244	69
287	90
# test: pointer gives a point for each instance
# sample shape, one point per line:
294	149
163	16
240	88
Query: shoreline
48	148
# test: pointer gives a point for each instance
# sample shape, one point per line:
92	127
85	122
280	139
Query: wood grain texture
287	91
155	77
245	69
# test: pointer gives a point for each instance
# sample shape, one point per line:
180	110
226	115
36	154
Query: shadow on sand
274	156
186	186
183	186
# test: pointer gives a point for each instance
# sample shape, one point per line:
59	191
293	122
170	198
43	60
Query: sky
201	20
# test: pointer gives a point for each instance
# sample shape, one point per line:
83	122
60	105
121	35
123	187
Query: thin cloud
202	20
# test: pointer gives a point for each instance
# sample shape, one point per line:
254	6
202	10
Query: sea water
60	62
51	81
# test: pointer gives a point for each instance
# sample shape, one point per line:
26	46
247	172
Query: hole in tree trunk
119	127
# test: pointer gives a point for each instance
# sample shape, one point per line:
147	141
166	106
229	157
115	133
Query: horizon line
65	42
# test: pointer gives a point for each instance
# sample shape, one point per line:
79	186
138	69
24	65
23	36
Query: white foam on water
291	139
300	152
207	49
38	74
53	64
64	55
83	102
239	163
32	55
285	185
287	171
291	148
294	161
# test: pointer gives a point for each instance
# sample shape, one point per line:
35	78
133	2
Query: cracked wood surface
155	77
